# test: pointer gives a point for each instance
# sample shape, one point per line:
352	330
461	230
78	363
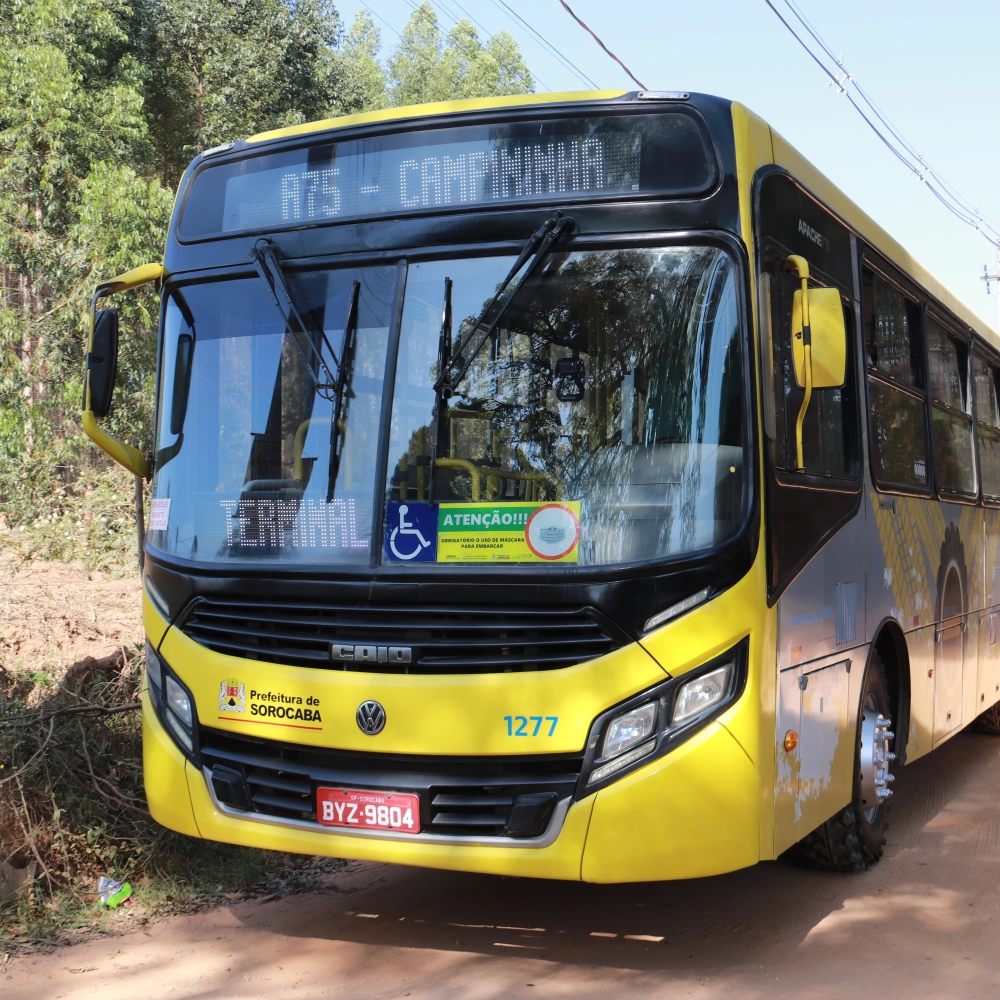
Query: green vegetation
102	105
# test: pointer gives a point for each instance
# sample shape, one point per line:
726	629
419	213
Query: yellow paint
752	139
437	109
123	453
135	278
436	714
829	338
464	715
163	776
911	537
153	623
692	813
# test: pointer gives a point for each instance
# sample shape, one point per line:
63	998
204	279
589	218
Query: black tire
853	840
989	721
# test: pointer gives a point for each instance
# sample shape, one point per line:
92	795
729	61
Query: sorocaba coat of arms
232	696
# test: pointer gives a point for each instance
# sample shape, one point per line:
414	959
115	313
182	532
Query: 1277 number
518	725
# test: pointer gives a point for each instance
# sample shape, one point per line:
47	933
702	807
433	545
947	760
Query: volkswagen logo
371	718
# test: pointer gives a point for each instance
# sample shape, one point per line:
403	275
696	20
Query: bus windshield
603	423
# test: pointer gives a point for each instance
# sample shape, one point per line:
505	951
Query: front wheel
853	839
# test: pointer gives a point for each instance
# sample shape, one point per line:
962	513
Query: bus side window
987	379
895	385
951	409
827	433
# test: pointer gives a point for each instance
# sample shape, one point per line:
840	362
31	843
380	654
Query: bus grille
402	639
471	797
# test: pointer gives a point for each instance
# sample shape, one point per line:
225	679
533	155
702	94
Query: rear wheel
853	839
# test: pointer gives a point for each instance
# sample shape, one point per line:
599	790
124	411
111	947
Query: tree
69	96
363	82
428	66
103	103
225	69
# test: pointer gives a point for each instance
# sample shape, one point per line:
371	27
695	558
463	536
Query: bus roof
439	108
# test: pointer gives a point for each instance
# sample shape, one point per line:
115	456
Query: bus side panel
932	559
821	653
989	636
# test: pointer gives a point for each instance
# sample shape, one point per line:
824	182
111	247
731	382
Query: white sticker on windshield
159	514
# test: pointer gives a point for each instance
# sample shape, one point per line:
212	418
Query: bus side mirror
102	364
102	361
828	335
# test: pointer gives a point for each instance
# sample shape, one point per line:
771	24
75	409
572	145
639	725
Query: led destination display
440	175
450	168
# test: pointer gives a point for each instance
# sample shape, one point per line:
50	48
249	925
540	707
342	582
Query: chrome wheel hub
875	758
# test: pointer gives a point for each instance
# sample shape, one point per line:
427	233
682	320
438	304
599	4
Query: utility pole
987	277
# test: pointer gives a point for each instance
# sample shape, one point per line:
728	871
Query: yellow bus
575	486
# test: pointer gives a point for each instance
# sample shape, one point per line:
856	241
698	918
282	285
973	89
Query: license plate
363	810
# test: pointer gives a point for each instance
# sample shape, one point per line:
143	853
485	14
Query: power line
572	67
874	117
593	34
383	20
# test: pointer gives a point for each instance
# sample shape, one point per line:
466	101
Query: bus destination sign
448	168
441	175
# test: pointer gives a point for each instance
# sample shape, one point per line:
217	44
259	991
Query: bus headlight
701	694
173	703
179	703
625	730
657	720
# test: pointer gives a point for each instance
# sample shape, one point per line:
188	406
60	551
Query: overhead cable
592	33
383	20
878	121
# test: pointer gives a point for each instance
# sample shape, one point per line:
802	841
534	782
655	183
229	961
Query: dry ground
53	615
923	923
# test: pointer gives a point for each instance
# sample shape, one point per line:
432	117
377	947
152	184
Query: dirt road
924	922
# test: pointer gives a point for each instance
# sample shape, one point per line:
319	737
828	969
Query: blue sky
930	65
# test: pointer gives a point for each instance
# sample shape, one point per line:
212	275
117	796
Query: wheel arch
890	644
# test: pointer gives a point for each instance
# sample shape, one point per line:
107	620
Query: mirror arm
124	454
801	267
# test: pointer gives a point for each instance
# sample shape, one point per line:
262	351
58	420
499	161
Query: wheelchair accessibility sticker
411	532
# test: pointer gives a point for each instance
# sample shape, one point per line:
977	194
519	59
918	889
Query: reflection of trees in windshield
614	378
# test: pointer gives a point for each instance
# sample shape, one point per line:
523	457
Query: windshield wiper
342	391
455	365
264	254
336	388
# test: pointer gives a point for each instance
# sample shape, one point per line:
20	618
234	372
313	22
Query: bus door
815	518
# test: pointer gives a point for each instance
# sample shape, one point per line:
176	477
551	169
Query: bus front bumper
691	813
